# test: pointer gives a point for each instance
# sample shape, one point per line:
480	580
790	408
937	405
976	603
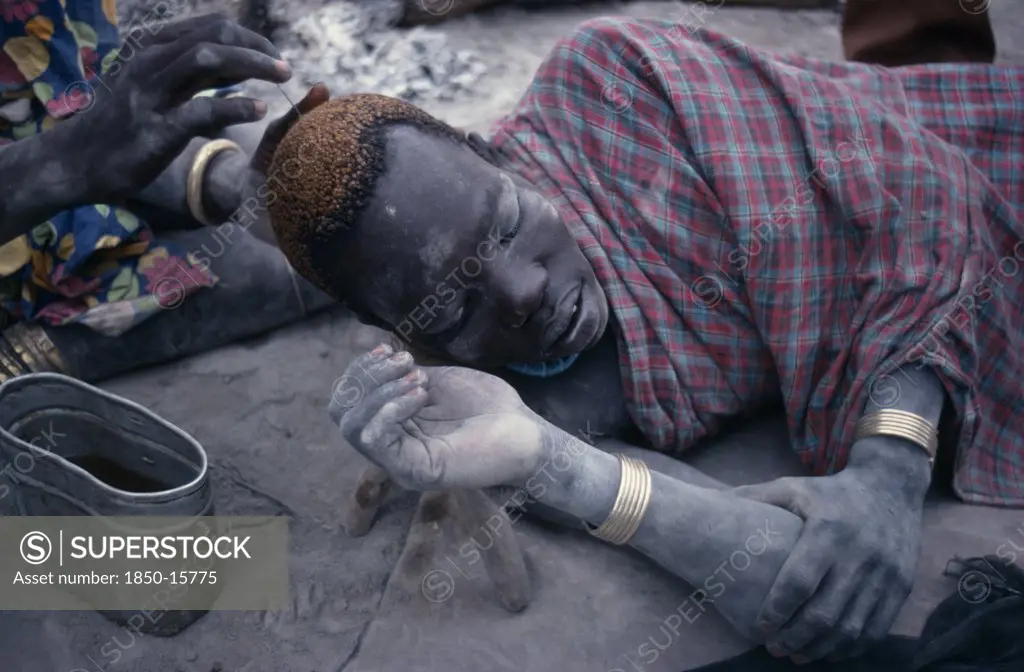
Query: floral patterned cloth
96	265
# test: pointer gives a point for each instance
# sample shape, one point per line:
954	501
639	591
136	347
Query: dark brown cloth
908	32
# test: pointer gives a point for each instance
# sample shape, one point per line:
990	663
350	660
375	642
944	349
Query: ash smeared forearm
38	179
920	392
729	549
165	200
248	136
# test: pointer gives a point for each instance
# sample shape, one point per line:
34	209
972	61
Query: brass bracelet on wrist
903	425
194	187
630	503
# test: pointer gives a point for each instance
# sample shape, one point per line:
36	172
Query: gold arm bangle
614	526
32	339
642	499
31	366
630	505
901	424
194	187
9	366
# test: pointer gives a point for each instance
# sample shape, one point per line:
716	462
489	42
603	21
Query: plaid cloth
769	226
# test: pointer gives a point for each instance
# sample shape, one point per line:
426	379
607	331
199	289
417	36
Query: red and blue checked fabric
769	225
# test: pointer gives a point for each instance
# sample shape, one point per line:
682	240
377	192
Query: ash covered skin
464	259
489	295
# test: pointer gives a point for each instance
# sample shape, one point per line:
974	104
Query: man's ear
483	148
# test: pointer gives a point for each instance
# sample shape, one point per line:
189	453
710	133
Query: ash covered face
467	260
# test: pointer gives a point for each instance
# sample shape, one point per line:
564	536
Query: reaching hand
144	112
435	428
852	569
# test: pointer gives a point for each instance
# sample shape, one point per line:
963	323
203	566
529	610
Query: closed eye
516	225
452	330
507	238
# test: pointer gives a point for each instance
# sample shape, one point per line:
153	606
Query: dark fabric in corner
979	628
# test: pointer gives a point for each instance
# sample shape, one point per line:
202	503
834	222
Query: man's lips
585	326
566	312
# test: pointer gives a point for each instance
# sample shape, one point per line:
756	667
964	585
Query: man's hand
144	112
434	428
853	566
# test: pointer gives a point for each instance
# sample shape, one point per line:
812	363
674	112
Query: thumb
277	129
783	493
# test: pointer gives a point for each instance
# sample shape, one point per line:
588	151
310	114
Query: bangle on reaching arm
630	503
194	190
901	424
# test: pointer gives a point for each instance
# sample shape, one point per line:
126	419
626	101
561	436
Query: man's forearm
165	200
250	210
918	391
729	549
37	181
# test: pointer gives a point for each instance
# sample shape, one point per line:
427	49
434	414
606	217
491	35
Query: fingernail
381	349
283	68
260	107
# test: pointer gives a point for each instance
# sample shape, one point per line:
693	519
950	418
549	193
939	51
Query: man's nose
520	293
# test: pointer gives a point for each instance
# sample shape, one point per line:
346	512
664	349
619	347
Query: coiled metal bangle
903	425
630	505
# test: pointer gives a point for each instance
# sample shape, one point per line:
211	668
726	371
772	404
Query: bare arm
234	191
450	427
37	181
164	201
851	538
728	548
919	392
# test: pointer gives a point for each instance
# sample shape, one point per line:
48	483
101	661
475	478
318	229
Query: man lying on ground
713	229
